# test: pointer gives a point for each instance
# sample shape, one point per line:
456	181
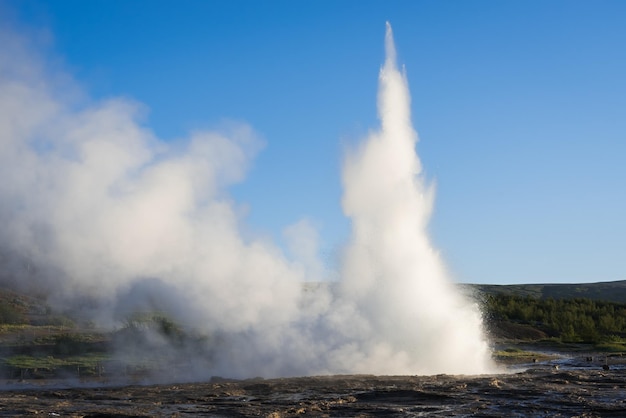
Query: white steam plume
413	317
107	219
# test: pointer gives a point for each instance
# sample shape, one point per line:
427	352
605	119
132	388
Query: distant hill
605	291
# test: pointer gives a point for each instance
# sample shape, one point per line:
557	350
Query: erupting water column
411	317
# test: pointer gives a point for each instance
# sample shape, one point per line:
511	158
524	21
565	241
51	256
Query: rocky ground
567	387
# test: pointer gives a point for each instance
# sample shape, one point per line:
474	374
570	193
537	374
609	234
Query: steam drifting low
108	220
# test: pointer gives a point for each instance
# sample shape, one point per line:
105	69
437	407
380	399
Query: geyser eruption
110	221
412	314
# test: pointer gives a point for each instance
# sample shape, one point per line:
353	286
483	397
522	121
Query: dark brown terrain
577	389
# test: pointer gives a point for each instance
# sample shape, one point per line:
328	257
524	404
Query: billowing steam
108	220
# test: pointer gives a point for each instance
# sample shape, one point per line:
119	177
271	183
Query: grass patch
514	353
8	328
611	347
518	355
34	329
51	362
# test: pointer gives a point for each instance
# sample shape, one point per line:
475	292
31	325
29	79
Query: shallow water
576	388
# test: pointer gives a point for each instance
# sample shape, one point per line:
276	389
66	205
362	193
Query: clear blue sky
520	107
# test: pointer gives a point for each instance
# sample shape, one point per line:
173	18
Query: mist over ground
108	220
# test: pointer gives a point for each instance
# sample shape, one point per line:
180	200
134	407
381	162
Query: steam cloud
105	218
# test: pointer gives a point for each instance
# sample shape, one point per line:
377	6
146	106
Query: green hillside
602	291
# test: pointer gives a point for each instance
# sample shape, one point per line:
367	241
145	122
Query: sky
519	106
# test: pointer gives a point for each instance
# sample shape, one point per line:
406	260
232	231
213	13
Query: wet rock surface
577	388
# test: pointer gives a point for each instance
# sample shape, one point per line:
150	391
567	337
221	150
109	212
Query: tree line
571	320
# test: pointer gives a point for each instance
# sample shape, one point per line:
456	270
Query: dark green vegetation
591	313
565	320
36	342
603	291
